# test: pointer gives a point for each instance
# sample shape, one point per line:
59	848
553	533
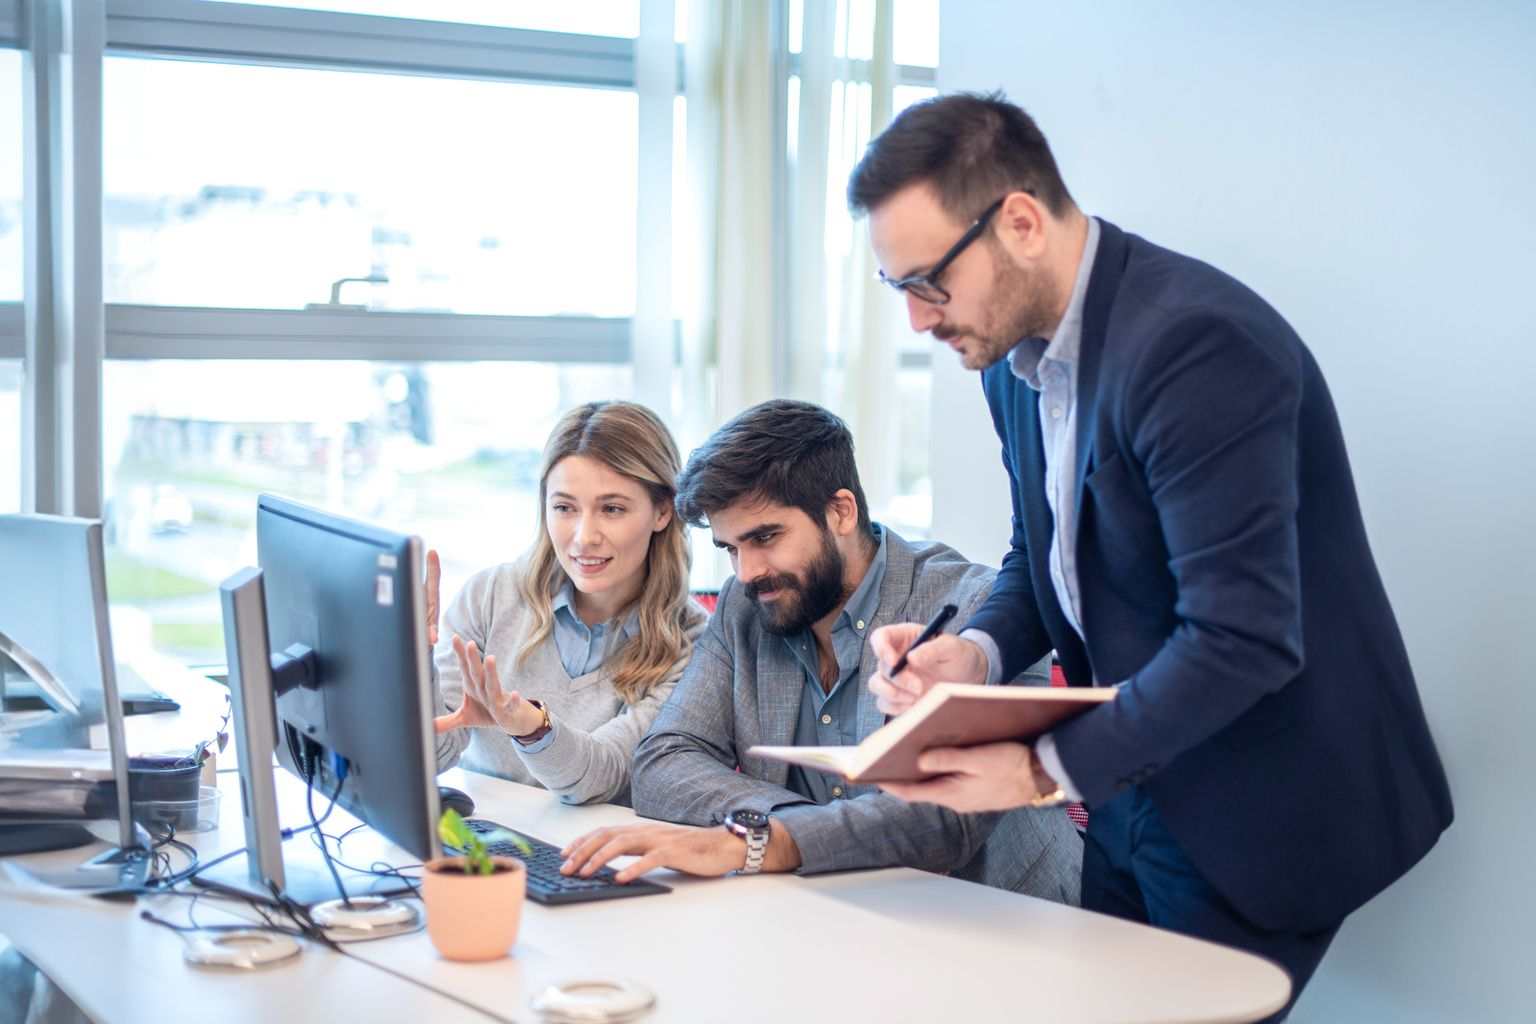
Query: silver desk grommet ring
366	917
246	949
593	1001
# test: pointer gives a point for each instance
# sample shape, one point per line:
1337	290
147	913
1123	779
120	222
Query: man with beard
1185	528
781	663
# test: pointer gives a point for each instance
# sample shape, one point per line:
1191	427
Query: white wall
1369	168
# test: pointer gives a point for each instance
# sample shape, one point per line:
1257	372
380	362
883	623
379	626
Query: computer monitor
63	759
329	669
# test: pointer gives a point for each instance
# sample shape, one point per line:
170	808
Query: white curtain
839	327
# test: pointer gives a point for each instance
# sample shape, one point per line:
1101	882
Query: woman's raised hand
486	705
433	585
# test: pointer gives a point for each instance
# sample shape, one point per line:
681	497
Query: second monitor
329	669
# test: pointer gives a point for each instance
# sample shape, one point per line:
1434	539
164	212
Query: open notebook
949	715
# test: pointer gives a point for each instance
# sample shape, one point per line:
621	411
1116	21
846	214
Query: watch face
750	819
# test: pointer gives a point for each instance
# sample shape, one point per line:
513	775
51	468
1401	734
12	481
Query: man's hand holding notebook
948	715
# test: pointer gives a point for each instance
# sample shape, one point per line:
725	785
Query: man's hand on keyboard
696	851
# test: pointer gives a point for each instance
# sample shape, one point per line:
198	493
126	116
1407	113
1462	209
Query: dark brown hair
795	454
971	149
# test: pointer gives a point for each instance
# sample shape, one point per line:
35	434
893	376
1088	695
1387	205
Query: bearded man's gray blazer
743	687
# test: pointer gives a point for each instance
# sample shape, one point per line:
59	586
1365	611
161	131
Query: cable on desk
377	868
304	926
163	884
319	836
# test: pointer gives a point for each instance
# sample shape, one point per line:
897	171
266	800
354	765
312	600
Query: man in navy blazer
1185	528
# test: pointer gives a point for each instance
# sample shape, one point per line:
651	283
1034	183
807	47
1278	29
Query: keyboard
546	884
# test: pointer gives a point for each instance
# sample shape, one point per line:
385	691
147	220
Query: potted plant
167	788
474	900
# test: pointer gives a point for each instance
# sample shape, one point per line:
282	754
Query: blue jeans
1132	868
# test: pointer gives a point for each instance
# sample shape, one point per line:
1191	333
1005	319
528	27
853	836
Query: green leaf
472	846
453	832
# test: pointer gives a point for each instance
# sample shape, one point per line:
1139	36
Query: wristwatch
542	730
753	827
1055	796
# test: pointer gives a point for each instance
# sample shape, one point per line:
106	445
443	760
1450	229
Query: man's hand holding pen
913	658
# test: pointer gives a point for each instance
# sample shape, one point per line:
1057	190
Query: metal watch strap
757	848
539	733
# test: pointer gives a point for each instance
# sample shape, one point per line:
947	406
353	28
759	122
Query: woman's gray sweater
586	758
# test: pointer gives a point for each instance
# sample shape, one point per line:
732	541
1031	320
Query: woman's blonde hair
631	440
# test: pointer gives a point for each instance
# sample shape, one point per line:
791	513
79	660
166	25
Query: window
449	451
903	498
10	436
11	280
589	17
10	179
485	179
915	39
233	185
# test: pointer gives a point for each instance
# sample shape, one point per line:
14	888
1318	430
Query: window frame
197	30
289	37
13	341
63	330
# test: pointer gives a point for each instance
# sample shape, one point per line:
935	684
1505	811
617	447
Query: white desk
892	945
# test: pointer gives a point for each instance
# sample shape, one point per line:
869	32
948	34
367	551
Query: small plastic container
200	815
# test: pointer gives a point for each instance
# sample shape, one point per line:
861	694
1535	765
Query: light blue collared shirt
1050	367
581	647
831	719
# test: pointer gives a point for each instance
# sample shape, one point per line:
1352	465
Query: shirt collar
1067	340
865	599
564	602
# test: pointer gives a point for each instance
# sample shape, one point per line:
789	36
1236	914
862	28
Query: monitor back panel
347	591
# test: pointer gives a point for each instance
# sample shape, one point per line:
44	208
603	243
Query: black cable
308	929
170	833
375	869
305	927
166	884
309	802
378	868
247	926
335	795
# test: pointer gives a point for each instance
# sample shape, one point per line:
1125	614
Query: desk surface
890	945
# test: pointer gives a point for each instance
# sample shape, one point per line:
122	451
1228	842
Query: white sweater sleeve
593	767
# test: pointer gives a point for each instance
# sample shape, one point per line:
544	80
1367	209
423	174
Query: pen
929	632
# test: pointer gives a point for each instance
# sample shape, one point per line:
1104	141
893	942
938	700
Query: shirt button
1056	413
837	790
859	624
826	719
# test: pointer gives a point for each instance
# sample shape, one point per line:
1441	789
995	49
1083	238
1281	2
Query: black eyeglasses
926	286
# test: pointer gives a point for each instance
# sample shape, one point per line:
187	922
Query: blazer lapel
1103	284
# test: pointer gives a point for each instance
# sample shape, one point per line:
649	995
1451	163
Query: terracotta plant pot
473	917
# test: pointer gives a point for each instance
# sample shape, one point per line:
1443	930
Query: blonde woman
552	667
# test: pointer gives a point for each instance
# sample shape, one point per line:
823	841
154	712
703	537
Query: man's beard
803	598
1021	305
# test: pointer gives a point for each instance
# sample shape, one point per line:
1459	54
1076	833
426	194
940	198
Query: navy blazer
1226	579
